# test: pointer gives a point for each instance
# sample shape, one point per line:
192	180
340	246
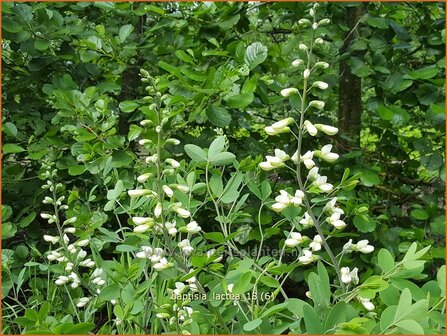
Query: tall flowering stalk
314	182
67	247
164	221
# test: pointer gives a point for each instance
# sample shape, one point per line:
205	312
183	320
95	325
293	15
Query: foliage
85	126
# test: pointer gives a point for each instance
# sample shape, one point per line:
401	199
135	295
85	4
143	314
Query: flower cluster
67	249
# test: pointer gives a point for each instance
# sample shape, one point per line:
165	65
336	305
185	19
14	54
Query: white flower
96	273
329	130
162	264
173	141
306	221
142	220
83	242
182	188
186	247
279	126
141	228
70	230
306	159
180	287
81	255
297	200
345	275
174	163
303	22
310	128
295	239
211	254
143	178
324	22
354	276
62	280
362	246
193	227
230	287
315	26
53	255
319	40
183	212
51	239
321	85
322	184
82	302
158	209
302	47
323	65
153	159
313	174
171	228
307	257
142	142
146	252
276	161
335	220
325	154
306	73
296	63
69	267
113	302
315	245
46	216
138	192
369	306
289	91
278	207
168	191
283	197
347	246
87	263
317	104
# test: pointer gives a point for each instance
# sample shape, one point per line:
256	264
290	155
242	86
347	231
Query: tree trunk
350	91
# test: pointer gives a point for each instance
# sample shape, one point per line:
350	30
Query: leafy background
72	92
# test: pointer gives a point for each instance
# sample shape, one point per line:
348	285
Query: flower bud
321	85
329	130
302	47
138	192
296	63
141	228
172	141
324	22
317	104
289	91
182	188
319	40
323	65
158	209
306	74
82	243
142	142
183	213
310	128
51	239
145	122
143	178
168	191
304	22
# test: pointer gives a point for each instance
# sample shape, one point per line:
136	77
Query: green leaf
370	178
240	100
196	153
76	170
423	73
252	325
125	32
10	129
216	147
223	159
255	54
110	292
336	316
312	321
12	148
116	191
80	328
386	260
410	327
128	106
242	283
218	116
419	214
441	279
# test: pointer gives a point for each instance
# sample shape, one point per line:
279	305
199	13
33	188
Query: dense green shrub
134	137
